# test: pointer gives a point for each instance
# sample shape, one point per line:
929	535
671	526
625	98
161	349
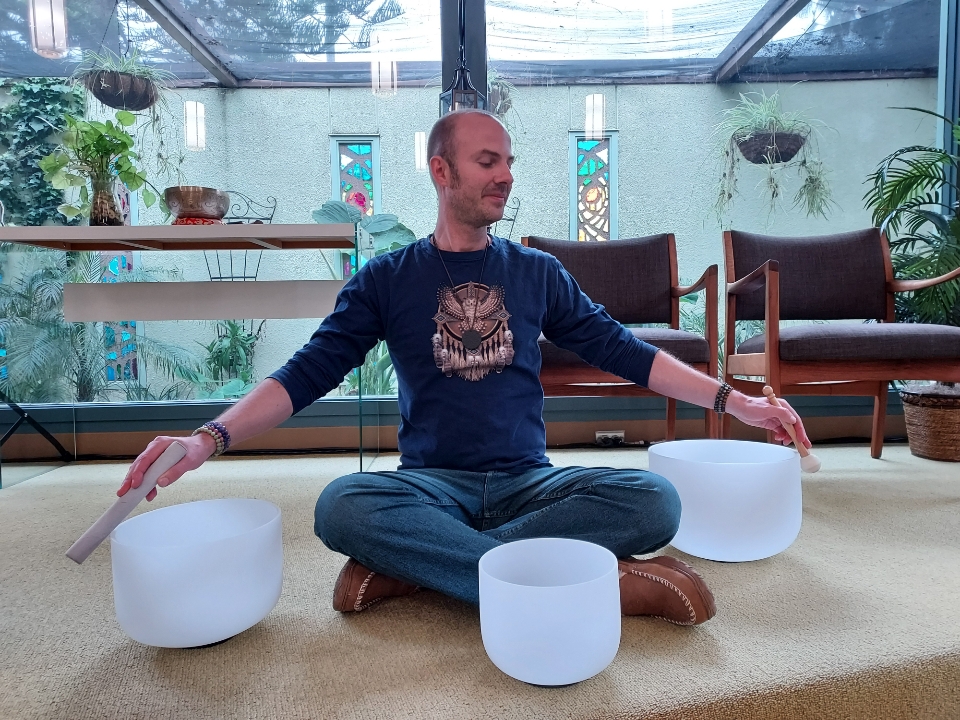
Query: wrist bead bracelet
720	403
212	431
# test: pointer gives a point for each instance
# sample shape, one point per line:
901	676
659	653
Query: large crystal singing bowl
550	609
740	500
197	573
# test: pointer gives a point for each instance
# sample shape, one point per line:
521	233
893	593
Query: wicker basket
762	148
933	425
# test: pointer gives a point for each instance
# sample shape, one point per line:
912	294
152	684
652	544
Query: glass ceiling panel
855	36
322	40
547	39
92	25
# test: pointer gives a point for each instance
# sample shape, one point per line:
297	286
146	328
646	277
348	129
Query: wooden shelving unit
186	237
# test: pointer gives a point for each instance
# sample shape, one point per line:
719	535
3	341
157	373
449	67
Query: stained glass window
593	188
359	176
119	338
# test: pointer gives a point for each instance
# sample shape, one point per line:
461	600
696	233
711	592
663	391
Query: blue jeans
430	527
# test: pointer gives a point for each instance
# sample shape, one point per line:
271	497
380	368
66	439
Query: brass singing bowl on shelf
193	201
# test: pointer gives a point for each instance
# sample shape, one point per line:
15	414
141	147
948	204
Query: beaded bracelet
720	403
222	439
220	428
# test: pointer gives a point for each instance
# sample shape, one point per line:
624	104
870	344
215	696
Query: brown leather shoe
359	587
666	588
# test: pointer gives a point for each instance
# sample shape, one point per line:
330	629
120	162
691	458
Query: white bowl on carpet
197	573
550	609
740	500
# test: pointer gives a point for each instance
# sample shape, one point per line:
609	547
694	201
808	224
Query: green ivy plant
27	127
95	152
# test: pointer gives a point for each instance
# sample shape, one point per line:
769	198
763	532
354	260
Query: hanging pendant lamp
461	93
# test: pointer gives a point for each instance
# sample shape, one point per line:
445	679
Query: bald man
461	312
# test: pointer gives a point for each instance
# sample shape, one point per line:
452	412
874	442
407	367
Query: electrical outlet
609	438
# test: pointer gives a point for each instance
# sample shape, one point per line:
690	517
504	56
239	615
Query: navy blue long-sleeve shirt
467	360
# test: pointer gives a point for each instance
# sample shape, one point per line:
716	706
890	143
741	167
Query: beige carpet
860	618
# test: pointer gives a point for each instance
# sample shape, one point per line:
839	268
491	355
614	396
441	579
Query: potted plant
758	130
122	83
905	198
384	233
97	154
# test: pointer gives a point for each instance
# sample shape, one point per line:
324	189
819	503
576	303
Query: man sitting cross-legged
461	312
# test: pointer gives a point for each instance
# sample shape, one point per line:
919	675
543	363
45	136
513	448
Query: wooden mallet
809	462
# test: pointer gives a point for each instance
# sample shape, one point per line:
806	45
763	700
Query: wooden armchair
637	282
848	276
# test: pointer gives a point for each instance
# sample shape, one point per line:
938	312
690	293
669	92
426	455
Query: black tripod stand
25	417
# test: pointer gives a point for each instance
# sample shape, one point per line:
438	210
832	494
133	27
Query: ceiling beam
758	32
184	28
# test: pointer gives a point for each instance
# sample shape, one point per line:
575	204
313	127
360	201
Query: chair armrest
701	284
753	281
910	285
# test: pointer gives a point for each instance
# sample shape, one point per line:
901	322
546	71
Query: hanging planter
124	83
758	130
766	148
121	90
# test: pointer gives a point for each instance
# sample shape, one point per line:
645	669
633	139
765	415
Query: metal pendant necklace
471	339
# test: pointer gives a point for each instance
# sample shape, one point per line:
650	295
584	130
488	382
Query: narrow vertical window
593	187
356	176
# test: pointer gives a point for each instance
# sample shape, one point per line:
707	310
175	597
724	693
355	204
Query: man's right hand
199	447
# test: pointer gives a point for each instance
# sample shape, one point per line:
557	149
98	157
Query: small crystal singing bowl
198	573
550	609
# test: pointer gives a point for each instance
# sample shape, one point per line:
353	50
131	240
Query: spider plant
756	114
905	198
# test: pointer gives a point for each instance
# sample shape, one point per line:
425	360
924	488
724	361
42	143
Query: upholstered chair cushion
630	278
829	277
863	341
688	347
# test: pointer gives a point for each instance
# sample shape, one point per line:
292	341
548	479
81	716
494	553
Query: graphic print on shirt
472	335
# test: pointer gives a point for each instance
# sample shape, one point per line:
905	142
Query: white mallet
809	462
108	522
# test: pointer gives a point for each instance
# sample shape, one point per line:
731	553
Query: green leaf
336	211
374	224
398	235
126	118
69	210
148	197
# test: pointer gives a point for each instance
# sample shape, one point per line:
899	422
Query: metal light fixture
48	28
194	125
420	141
461	93
593	117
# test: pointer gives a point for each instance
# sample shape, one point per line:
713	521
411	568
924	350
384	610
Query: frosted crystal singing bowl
550	609
197	573
741	500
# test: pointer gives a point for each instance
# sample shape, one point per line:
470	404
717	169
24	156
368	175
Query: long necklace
471	339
